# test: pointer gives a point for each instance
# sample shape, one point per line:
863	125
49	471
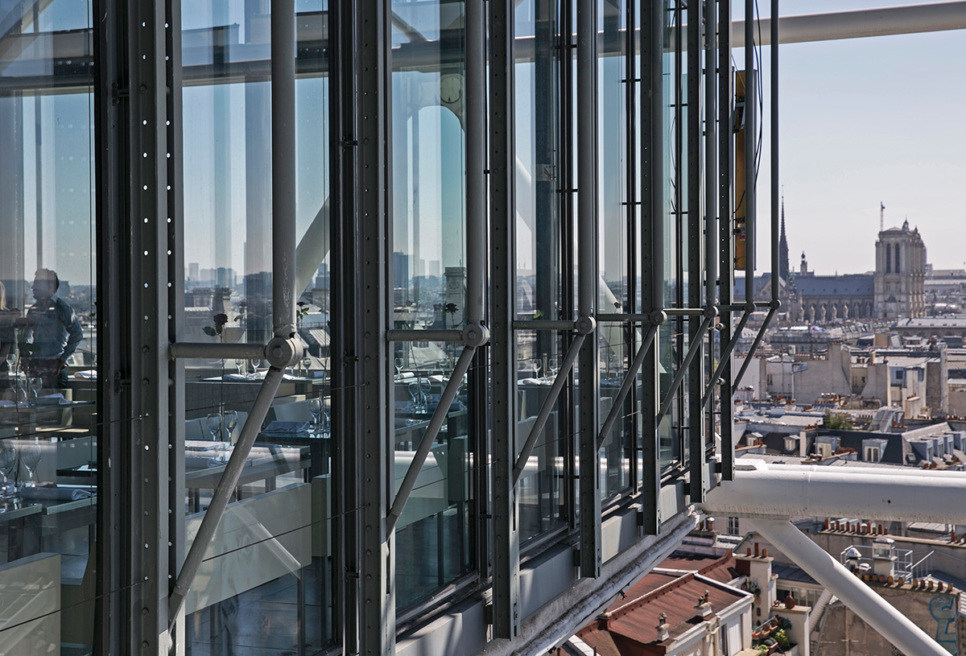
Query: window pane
272	559
48	341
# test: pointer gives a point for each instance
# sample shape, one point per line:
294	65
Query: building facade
900	273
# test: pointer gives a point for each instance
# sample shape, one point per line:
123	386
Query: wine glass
8	467
253	366
240	366
30	457
231	420
214	423
537	365
36	384
306	364
315	407
11	363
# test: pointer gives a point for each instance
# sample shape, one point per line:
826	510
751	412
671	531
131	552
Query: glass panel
284	601
540	491
48	341
435	536
544	244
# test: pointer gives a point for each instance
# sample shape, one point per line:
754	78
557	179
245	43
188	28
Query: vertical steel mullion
725	235
175	230
506	538
148	364
775	266
567	405
652	242
588	272
372	191
633	211
678	240
710	191
345	449
751	149
112	240
696	295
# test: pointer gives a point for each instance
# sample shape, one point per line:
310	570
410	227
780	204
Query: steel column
751	150
754	346
652	242
726	256
372	190
697	292
475	133
283	168
588	272
345	306
502	174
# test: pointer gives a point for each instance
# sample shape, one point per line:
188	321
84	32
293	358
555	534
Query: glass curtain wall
48	342
266	582
435	536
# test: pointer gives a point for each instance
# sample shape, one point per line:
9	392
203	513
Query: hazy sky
864	121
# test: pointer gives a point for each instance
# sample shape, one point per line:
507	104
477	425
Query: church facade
895	289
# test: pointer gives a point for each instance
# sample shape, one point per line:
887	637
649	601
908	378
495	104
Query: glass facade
230	428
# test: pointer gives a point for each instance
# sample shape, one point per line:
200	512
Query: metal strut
565	367
626	384
693	350
426	443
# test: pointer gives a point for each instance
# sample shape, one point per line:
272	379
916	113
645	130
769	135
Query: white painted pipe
872	471
883	21
840	492
855	594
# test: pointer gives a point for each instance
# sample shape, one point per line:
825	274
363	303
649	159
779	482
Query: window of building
872	454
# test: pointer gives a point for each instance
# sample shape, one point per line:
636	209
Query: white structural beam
870	493
858	596
884	21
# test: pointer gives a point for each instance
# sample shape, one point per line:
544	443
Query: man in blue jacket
54	330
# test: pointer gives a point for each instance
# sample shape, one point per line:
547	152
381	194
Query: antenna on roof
881	216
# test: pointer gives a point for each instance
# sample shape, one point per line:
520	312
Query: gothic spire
783	248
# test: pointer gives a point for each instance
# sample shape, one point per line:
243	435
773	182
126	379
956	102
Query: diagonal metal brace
227	485
432	430
693	350
725	355
565	367
754	345
626	385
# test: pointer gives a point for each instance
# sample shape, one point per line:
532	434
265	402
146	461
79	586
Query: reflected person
54	330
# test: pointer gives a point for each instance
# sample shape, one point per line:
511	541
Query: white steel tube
841	491
884	21
858	596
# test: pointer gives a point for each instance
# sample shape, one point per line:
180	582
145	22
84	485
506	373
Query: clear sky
865	121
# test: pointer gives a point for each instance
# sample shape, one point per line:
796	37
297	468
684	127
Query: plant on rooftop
837	421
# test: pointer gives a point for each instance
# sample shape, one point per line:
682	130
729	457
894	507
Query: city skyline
863	122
